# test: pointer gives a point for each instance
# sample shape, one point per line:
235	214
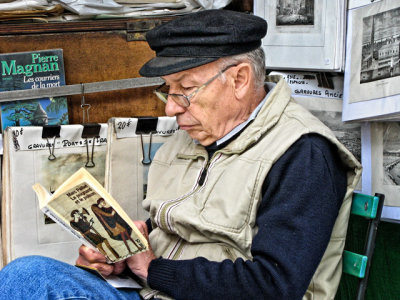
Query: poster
372	73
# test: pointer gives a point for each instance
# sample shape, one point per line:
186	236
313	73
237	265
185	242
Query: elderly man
250	199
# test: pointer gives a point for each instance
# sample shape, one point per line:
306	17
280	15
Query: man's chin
201	138
203	141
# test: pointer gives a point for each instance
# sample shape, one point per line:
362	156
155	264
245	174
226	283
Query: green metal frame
354	264
365	205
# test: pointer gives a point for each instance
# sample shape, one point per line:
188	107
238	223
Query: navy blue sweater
302	195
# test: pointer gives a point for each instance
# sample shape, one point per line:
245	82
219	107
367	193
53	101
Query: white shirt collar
253	115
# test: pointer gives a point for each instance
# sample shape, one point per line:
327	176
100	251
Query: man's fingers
91	255
104	269
119	267
91	258
141	225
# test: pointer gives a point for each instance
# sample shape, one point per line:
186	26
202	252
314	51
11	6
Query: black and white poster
303	34
372	74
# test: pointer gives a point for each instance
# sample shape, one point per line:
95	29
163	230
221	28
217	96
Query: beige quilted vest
191	220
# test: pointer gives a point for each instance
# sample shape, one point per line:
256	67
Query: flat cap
199	38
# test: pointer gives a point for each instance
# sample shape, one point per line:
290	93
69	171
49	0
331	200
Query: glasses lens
179	99
163	95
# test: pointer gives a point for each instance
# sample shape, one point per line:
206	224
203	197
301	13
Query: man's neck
235	132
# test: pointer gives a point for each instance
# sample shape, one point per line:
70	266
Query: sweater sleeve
301	198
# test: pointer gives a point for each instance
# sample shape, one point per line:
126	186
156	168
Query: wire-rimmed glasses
181	99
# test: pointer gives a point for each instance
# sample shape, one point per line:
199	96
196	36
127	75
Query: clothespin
51	131
90	130
146	125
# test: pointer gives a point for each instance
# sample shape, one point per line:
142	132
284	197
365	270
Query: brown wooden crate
91	56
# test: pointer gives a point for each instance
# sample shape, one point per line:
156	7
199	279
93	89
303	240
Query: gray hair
257	60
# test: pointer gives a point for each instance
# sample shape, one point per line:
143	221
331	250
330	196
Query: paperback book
83	207
33	70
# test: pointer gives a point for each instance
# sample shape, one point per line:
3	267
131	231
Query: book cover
33	70
84	208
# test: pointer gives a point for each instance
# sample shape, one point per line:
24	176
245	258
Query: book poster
33	70
131	152
26	161
372	73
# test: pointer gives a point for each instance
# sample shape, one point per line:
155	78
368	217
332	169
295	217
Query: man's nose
172	108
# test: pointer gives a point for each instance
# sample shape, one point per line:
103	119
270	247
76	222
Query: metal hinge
136	30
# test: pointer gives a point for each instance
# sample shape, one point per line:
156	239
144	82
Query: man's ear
243	79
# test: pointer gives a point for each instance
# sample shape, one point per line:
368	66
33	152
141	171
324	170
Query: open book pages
117	281
83	207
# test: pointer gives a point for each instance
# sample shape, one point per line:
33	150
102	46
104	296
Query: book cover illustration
33	70
83	207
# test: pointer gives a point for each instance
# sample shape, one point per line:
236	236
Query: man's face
212	112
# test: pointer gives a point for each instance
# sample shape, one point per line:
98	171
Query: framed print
303	34
381	164
358	3
372	72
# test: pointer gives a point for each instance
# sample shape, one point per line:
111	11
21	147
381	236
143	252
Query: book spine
56	219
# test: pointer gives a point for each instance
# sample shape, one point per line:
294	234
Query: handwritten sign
306	84
126	127
30	138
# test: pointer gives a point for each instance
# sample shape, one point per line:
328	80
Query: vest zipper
164	211
203	175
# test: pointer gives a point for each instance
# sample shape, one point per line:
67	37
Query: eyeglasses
181	99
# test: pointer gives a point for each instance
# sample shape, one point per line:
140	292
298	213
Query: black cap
200	38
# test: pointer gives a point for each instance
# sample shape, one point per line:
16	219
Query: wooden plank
80	89
70	26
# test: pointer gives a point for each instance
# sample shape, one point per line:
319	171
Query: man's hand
139	263
92	258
